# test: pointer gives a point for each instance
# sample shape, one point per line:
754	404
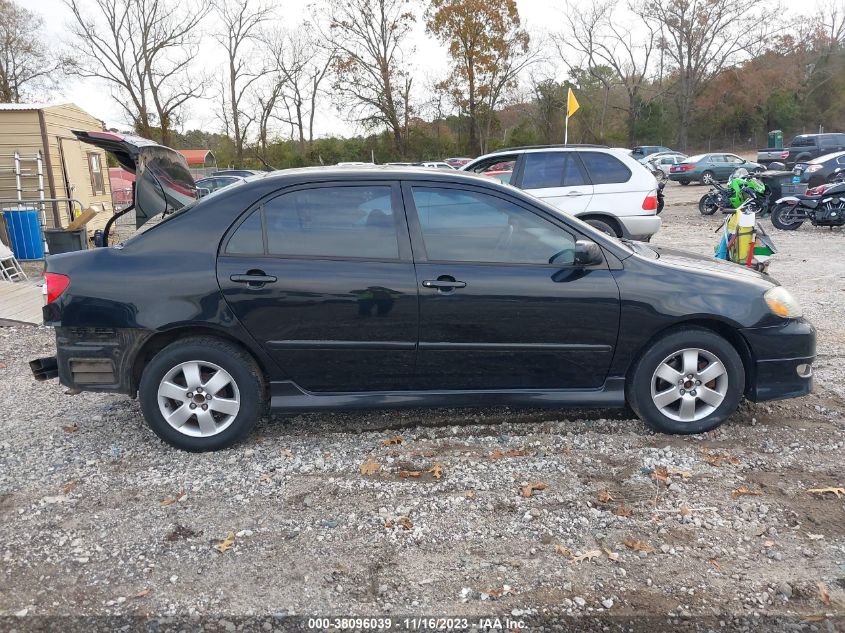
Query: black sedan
821	170
334	289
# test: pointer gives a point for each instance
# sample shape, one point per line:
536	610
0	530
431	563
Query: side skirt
288	397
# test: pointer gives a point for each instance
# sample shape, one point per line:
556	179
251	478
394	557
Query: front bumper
639	227
782	360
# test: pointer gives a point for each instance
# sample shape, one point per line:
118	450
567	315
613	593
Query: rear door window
605	169
552	169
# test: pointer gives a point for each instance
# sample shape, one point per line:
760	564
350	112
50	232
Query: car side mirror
587	253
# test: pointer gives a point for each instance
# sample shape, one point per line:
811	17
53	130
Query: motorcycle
661	197
743	241
825	208
740	187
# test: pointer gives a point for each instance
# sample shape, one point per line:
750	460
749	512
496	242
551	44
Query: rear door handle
256	280
444	284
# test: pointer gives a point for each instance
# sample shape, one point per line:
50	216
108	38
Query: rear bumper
639	227
783	358
97	359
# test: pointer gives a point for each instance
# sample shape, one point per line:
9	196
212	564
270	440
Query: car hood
163	181
710	265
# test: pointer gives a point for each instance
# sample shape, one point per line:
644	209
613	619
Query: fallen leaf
824	596
142	593
715	564
563	550
436	471
514	452
685	510
470	494
404	474
73	428
768	544
605	496
745	491
528	491
2	365
169	501
388	525
839	492
396	439
69	486
265	479
370	467
660	474
226	543
679	472
623	511
717	458
637	546
588	556
612	556
815	537
406	523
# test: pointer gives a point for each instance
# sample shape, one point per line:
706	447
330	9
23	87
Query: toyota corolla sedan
346	288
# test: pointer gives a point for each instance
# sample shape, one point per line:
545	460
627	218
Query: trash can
64	241
776	139
24	231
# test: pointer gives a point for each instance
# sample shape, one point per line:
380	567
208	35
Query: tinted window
332	222
467	226
605	169
827	142
248	239
496	163
552	169
803	141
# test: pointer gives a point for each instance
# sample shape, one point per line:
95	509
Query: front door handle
254	278
444	284
574	193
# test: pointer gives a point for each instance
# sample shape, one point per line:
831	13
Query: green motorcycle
742	186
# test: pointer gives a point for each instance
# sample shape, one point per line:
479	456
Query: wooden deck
21	302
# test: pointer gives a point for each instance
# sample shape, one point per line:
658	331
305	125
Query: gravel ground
533	515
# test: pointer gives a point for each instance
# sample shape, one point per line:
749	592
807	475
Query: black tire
240	366
778	221
708	178
683	183
639	383
602	226
706	205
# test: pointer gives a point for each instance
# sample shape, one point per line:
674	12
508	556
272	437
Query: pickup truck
803	148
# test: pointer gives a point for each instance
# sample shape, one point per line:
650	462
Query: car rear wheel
707	178
201	394
602	226
688	381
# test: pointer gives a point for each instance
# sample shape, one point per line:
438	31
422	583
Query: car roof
365	172
826	157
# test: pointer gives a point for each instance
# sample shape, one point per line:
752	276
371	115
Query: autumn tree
488	48
25	65
238	31
144	50
370	72
699	39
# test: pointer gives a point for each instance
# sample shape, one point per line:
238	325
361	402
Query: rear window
605	169
695	159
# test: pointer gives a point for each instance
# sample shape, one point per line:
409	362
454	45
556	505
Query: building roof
197	156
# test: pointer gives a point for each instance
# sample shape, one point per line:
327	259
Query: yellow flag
571	104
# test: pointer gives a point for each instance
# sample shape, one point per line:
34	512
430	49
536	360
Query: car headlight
782	303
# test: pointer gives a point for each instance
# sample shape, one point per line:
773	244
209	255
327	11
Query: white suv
604	187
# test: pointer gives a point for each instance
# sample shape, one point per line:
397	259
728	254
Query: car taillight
56	285
682	167
784	154
650	202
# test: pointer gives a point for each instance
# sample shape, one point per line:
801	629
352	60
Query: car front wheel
201	394
689	381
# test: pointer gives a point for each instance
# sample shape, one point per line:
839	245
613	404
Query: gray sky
429	61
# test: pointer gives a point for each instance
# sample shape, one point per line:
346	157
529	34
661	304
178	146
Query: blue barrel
24	233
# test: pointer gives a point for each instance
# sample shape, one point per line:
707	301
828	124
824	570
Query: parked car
663	161
824	169
336	289
803	148
643	151
457	163
501	171
241	173
710	168
213	183
437	164
605	188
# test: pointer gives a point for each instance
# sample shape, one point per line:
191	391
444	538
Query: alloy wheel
198	398
689	385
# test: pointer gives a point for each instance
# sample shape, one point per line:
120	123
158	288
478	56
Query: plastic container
64	241
24	231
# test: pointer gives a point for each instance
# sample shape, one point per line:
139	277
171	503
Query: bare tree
301	62
239	30
144	50
700	38
371	78
25	66
604	41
